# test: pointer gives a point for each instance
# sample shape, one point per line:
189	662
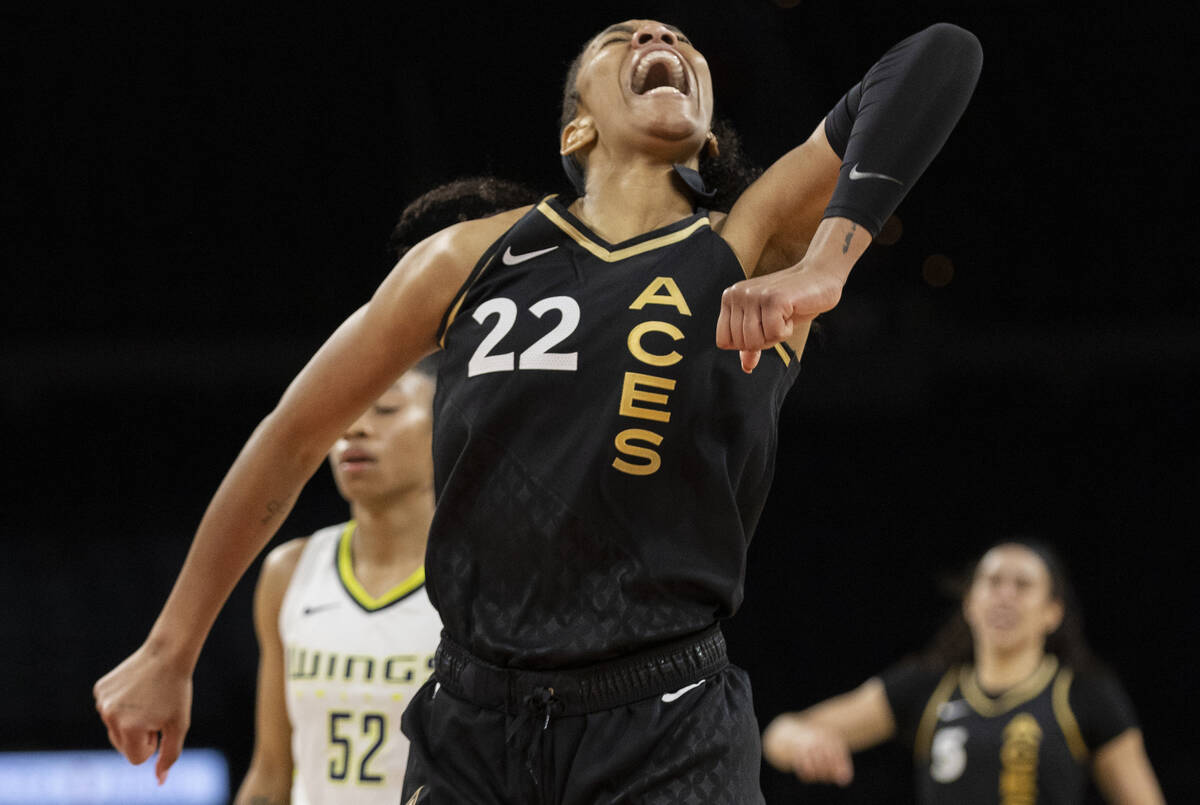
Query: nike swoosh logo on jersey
510	259
670	697
320	607
856	174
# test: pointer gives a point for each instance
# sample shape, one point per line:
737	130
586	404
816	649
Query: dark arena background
194	197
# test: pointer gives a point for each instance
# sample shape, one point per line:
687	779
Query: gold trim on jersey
929	717
345	567
1060	699
610	256
462	298
1017	695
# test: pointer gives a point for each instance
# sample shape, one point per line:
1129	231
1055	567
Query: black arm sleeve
890	125
1101	707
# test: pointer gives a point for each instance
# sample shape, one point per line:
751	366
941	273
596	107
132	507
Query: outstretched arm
815	744
269	779
815	211
149	694
1123	772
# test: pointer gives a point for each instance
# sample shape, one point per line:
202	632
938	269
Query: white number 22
537	356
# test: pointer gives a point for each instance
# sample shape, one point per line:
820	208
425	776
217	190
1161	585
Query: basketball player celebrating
1008	705
600	463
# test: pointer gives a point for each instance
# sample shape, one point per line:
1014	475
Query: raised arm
269	779
815	744
150	692
1123	773
814	212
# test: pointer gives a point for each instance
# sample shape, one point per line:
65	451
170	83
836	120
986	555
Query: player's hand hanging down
760	312
813	753
144	698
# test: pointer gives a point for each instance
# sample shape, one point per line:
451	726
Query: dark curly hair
728	174
953	645
454	202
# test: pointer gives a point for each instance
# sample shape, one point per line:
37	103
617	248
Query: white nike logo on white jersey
856	174
510	259
670	697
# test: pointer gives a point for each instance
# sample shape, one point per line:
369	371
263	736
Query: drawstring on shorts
532	697
538	706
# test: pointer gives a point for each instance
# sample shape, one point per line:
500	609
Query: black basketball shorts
675	725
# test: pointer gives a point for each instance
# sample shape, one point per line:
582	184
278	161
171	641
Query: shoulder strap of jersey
1060	699
448	317
941	694
486	260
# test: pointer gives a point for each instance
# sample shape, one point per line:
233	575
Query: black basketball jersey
1029	745
600	465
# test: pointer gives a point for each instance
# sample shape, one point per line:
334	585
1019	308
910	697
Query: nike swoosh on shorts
670	697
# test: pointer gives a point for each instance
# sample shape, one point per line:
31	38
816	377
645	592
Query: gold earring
711	146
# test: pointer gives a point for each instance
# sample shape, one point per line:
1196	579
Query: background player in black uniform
651	528
1007	705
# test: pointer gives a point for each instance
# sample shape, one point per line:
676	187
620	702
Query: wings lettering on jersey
304	663
364	658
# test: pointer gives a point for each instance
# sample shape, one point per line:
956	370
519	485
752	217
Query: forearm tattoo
849	237
274	507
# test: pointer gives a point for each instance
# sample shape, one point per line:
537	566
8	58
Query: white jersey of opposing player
352	664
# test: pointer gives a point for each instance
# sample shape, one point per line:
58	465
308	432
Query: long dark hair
731	171
727	174
953	644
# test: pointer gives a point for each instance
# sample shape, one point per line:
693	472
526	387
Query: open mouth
659	71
